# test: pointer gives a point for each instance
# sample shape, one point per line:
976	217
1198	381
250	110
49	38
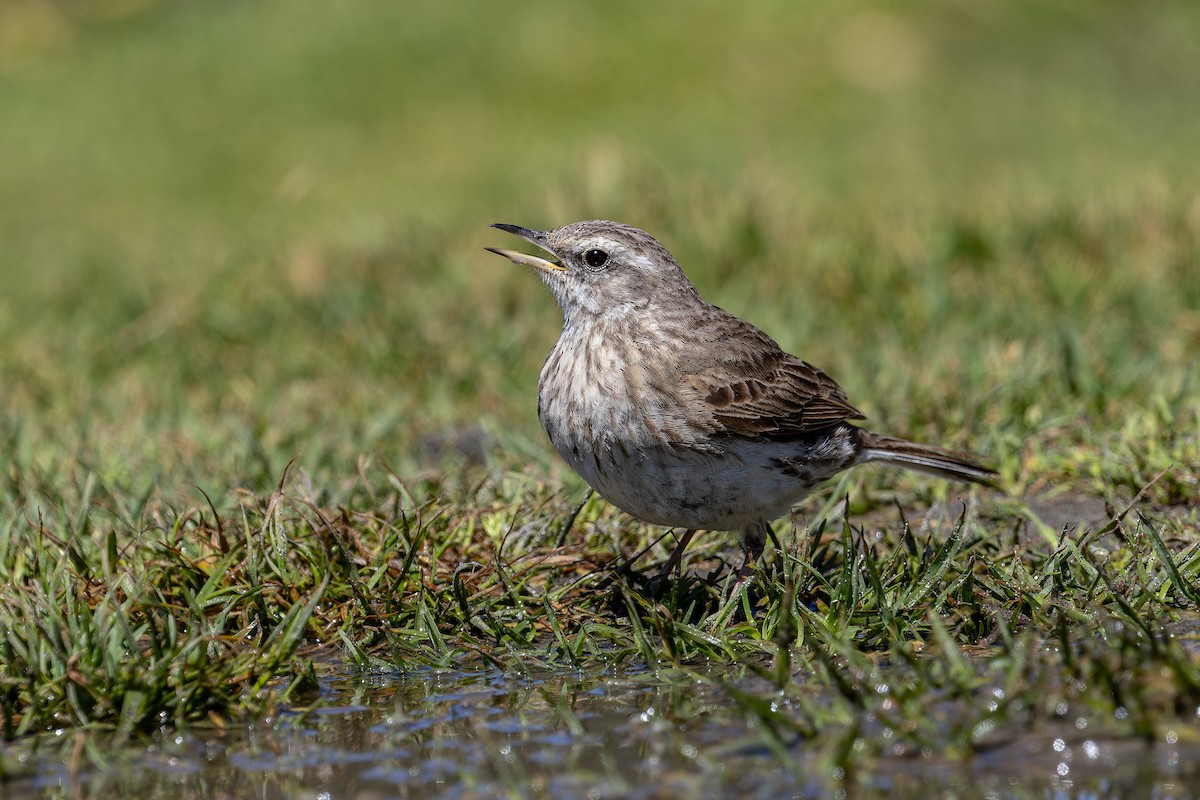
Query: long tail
925	458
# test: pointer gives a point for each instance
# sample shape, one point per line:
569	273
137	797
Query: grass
954	636
263	393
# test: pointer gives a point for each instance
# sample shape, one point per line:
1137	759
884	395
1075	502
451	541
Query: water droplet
983	729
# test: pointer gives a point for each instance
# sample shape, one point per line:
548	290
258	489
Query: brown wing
753	388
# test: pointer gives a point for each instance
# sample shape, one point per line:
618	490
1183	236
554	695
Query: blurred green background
234	233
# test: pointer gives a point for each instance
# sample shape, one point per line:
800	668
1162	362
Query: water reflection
638	734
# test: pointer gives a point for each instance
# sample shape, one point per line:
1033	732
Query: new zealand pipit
678	412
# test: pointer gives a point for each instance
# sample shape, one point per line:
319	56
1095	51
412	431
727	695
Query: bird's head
601	268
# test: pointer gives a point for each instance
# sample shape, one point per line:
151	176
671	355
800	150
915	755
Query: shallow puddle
640	734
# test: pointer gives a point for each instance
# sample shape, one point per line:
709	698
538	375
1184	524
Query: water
634	733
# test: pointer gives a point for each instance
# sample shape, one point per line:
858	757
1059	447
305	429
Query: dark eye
595	258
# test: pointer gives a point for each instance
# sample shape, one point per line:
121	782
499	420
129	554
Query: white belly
637	449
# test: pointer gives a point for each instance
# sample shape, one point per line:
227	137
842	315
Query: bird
682	414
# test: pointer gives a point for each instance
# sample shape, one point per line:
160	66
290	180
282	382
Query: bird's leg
754	542
676	554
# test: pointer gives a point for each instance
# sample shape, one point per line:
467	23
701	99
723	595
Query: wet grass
952	635
278	403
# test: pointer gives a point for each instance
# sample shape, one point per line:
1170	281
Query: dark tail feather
926	458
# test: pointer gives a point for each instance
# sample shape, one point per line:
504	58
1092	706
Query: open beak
533	237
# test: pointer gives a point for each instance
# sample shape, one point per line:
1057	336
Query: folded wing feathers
787	397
